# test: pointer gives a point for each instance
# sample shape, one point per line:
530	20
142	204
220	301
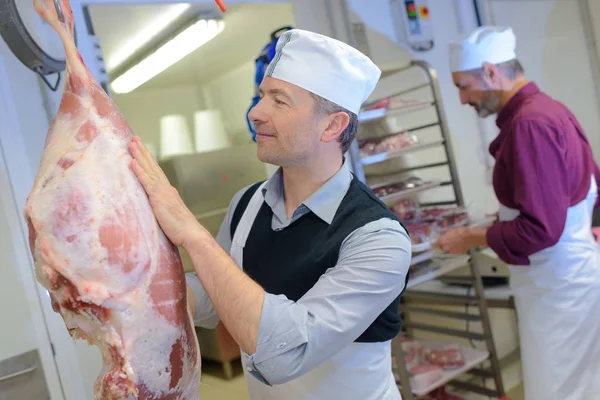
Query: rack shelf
423	287
472	358
381	157
437	268
377	114
397	196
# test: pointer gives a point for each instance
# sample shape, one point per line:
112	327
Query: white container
175	137
210	133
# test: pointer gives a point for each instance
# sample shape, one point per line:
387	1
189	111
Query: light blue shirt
295	337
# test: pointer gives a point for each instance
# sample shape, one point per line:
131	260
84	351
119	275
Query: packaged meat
453	218
446	356
405	184
111	273
422	232
424	375
398	141
391	103
445	218
407	210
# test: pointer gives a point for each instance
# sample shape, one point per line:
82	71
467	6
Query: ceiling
247	30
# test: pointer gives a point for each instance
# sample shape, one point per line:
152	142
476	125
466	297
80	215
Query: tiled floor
216	387
516	393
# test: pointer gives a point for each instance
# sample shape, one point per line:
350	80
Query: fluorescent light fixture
168	54
147	34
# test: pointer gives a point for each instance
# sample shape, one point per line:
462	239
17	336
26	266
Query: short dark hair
326	107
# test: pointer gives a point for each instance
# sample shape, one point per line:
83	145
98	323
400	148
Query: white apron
558	307
361	371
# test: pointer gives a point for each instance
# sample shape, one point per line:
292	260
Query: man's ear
336	125
490	74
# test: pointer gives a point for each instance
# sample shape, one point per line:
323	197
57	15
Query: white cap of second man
326	67
491	44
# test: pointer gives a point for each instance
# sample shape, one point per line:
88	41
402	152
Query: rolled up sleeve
295	337
536	166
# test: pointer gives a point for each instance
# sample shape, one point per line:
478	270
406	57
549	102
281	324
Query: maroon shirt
543	166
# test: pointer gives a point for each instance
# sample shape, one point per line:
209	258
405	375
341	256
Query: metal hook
58	7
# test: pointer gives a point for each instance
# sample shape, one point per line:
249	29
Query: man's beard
490	104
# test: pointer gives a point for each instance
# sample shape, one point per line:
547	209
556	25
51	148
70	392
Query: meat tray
369	147
427	377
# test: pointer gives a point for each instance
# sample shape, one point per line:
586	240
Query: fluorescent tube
168	54
162	21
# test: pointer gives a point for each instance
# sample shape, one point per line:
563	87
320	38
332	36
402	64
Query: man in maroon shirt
546	181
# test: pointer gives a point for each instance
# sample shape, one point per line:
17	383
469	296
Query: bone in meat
112	274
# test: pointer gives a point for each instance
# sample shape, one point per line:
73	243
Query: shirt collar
323	203
509	110
508	113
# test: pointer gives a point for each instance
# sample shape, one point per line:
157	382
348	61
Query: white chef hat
491	44
326	67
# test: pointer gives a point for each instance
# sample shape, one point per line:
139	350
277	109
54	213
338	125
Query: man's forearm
237	299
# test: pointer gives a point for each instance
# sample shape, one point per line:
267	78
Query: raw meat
445	218
446	356
422	232
406	210
381	145
112	274
392	103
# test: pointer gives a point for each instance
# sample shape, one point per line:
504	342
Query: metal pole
401	368
439	108
487	327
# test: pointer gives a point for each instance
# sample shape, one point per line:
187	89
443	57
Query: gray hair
512	69
326	107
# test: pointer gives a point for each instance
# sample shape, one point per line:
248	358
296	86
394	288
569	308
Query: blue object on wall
262	62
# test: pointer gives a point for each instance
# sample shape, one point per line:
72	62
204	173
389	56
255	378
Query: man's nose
464	99
257	114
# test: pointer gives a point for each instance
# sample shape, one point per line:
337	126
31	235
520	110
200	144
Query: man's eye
277	101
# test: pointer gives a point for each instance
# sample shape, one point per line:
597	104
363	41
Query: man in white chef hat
324	261
546	181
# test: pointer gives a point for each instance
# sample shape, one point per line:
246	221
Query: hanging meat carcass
112	274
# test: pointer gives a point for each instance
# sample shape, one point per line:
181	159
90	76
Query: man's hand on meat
219	274
175	219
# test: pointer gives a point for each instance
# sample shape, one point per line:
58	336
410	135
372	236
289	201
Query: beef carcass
112	274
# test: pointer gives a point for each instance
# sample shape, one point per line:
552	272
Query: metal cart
481	372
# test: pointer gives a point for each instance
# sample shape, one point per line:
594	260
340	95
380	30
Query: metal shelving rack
482	366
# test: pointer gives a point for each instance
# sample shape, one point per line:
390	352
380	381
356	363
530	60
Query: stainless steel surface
21	377
417	298
444	127
208	181
476	388
440	313
444	330
443	298
403	374
59	11
487	327
17	374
